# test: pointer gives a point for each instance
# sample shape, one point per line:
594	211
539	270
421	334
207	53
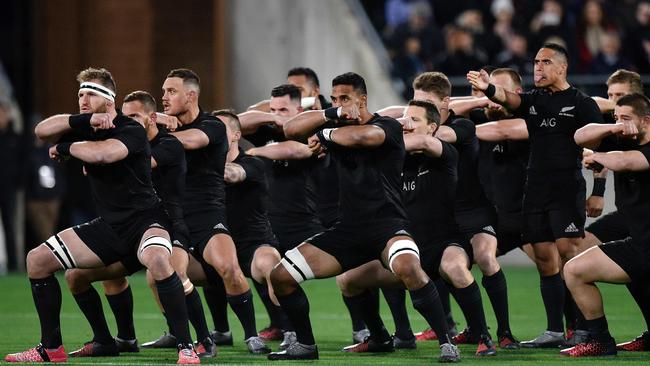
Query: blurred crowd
456	36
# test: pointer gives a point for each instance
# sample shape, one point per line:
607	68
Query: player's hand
626	129
101	121
54	154
595	205
315	146
407	124
479	79
350	113
589	162
171	123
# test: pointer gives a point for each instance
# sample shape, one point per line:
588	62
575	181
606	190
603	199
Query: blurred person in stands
461	54
609	58
515	55
637	41
421	26
592	27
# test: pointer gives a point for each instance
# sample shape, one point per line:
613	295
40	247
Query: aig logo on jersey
564	110
548	122
409	186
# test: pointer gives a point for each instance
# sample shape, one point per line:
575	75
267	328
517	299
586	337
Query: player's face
135	110
616	90
419	122
345	95
549	68
625	113
284	106
307	89
90	102
175	98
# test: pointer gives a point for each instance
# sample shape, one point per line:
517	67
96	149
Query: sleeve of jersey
133	137
527	100
609	143
392	130
254	168
215	130
588	112
645	150
167	152
464	129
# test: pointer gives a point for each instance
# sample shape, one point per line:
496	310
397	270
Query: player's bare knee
282	282
407	269
457	273
76	281
157	262
574	272
41	263
115	286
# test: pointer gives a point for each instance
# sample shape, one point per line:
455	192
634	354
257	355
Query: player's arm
497	94
590	135
352	136
91	152
618	161
429	145
285	150
53	128
394	111
192	138
251	120
507	129
234	173
462	107
262	106
605	105
304	124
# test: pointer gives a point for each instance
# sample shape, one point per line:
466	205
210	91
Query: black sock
365	305
355	315
122	306
598	329
296	306
570	310
427	302
641	294
273	310
469	300
215	297
91	306
396	302
443	292
47	298
196	314
552	288
242	306
497	290
172	298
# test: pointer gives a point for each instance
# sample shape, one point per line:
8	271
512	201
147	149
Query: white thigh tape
297	266
61	252
402	247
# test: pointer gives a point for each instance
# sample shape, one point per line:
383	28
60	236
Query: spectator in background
420	26
11	153
486	42
592	26
461	55
609	58
637	42
549	22
408	64
398	12
515	55
503	12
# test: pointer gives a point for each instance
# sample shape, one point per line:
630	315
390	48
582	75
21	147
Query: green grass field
19	328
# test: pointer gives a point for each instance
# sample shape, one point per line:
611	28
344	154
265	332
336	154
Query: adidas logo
572	228
490	229
532	111
219	226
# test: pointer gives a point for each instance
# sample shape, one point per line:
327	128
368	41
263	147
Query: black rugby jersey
246	203
632	192
552	120
204	187
123	188
370	181
429	193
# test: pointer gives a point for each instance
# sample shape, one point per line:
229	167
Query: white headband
97	89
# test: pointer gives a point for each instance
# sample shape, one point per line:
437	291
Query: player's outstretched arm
481	81
429	145
192	138
251	120
304	124
285	150
618	161
91	152
51	129
605	105
590	135
352	136
234	173
394	111
462	107
507	129
262	106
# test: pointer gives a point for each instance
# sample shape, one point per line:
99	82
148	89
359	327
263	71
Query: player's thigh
594	265
264	260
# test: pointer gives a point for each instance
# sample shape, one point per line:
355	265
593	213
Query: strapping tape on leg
155	241
188	286
297	266
402	247
61	252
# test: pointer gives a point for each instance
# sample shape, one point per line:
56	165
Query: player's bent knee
41	262
399	248
296	266
76	281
